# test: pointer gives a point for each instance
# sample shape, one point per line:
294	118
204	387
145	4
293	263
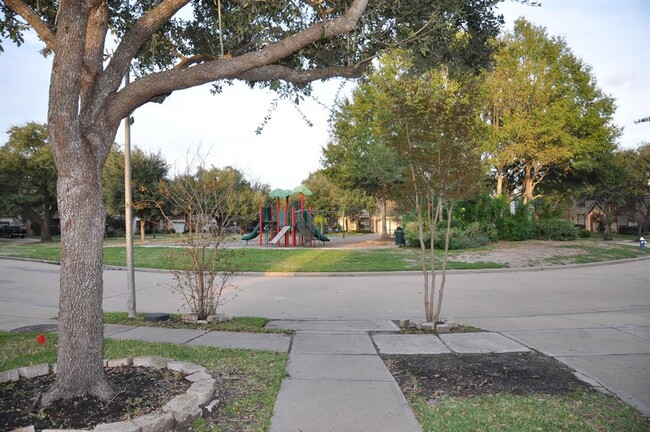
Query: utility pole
128	214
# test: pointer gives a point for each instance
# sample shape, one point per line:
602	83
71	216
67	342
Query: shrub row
467	237
514	229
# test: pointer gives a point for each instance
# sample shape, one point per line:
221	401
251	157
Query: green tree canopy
546	111
620	182
149	169
357	157
416	135
335	202
28	176
222	196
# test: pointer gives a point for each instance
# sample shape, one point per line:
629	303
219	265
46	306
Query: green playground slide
318	234
253	234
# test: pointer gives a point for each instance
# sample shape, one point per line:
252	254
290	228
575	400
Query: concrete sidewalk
337	380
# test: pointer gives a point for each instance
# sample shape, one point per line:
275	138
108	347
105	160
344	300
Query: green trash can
399	237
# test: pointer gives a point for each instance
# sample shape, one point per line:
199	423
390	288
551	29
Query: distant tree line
28	180
544	132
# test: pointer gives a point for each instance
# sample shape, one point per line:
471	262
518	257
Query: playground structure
286	226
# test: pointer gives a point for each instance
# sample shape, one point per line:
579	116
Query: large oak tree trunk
80	360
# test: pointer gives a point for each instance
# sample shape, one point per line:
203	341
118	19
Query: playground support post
293	227
286	220
277	217
302	213
261	226
311	223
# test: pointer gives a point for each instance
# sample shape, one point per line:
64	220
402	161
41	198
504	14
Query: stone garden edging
178	412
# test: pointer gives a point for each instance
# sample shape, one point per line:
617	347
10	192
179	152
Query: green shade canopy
280	193
302	189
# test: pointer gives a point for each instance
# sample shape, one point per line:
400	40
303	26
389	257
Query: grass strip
248	381
598	253
236	324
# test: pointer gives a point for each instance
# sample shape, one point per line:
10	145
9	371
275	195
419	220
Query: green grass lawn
248	381
580	411
327	259
46	251
598	252
236	324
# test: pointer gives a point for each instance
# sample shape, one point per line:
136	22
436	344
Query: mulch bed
139	391
466	375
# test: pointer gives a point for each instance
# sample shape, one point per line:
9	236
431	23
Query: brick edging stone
177	413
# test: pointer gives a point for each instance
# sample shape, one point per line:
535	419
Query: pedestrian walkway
337	380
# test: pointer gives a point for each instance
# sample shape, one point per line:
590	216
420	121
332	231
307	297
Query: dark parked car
11	231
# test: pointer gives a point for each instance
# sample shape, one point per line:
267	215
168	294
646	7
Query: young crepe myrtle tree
264	42
432	121
208	199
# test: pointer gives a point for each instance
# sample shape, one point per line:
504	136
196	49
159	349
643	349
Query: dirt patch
530	254
139	391
461	375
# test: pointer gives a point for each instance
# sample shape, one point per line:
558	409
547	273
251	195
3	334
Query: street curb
378	273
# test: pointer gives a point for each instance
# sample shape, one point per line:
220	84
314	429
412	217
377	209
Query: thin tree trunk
445	256
384	225
528	183
499	188
433	220
423	265
46	231
142	228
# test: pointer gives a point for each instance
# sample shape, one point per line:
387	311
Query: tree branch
94	50
148	87
40	27
195	59
300	77
134	38
540	177
65	81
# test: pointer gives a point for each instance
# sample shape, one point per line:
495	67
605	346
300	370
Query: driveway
595	319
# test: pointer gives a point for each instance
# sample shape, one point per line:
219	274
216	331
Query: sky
612	36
